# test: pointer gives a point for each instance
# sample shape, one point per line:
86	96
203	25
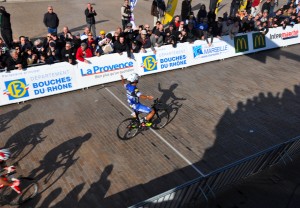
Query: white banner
45	80
35	82
104	69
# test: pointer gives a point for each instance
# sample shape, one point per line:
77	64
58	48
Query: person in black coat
6	31
68	54
51	20
121	46
90	14
15	61
186	9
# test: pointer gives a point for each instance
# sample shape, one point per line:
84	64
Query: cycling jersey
133	99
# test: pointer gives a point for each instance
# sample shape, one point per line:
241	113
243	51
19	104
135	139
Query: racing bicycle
130	127
28	186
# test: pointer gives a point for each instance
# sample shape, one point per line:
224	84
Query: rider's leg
150	115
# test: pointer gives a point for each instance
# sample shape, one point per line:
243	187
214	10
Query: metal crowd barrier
202	189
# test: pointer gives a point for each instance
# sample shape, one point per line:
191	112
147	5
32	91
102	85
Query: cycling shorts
141	108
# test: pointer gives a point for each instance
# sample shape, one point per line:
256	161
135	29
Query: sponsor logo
16	89
259	40
149	63
285	35
203	52
241	43
105	69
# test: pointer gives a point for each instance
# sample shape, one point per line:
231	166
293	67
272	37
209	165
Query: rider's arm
123	80
146	97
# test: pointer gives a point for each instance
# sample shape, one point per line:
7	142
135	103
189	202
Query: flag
171	7
132	5
217	6
243	5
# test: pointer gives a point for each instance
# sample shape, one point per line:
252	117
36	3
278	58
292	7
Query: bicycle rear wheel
160	119
29	190
128	128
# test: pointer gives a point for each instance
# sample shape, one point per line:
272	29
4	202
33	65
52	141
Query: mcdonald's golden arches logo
259	40
241	43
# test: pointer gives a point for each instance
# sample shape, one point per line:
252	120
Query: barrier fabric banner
40	81
104	69
36	82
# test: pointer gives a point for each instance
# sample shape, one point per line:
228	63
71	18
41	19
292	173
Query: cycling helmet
4	154
134	77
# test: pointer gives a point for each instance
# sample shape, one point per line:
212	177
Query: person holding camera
126	13
90	14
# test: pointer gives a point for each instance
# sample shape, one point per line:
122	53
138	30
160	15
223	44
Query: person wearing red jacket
255	7
83	52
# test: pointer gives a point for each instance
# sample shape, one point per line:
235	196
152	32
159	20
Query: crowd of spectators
73	48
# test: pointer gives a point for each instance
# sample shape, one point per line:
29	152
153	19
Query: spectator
202	13
226	27
121	46
14	61
181	27
126	13
6	31
264	17
31	57
66	35
38	47
235	5
144	41
176	21
76	41
44	59
90	41
158	9
191	33
186	9
191	19
83	52
90	14
85	33
46	41
51	20
116	36
209	35
171	30
234	30
156	39
217	27
182	36
211	16
156	27
266	6
106	44
255	7
53	52
129	33
68	54
24	44
101	36
135	47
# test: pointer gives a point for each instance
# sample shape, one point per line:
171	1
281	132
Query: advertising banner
104	69
241	43
166	58
40	81
201	52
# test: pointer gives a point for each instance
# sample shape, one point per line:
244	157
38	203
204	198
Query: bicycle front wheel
29	190
128	129
160	119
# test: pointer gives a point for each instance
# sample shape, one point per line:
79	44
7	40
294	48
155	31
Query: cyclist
133	98
5	155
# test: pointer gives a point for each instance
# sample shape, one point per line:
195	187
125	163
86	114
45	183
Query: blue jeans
52	30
